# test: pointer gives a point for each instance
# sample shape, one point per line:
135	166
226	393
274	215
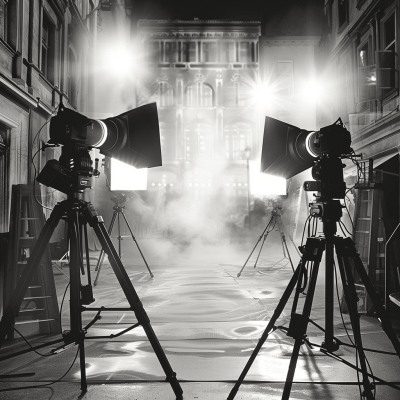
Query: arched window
199	95
237	94
198	141
237	137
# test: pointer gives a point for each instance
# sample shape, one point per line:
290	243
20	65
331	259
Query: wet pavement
208	322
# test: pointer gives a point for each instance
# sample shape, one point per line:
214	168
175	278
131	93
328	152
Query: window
189	52
199	95
198	141
343	12
237	94
171	53
389	33
237	137
245	52
72	77
227	54
283	75
45	44
210	52
4	179
366	73
3	19
386	59
47	48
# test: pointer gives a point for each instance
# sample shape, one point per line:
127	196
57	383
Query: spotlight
132	138
123	177
288	150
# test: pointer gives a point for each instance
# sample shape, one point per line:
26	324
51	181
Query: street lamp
247	152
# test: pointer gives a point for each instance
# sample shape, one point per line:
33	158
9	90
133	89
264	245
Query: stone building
358	69
45	58
204	76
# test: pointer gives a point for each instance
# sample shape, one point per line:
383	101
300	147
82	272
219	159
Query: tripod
118	210
78	214
347	258
274	220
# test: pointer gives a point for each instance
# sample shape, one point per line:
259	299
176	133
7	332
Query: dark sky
289	16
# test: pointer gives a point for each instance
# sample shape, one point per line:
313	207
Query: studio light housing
132	138
288	150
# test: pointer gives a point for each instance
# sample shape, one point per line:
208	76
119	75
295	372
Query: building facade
45	59
203	76
358	68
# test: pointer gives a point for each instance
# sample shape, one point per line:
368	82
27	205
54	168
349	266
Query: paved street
208	322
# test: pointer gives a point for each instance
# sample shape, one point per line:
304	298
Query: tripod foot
151	276
238	275
233	392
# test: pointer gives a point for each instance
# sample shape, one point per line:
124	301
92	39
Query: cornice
196	22
198	35
59	7
19	94
277	41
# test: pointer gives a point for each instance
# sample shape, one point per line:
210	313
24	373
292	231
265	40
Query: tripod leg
278	311
119	236
258	241
329	343
77	334
137	244
101	257
298	328
13	306
96	222
380	310
290	238
287	250
261	247
351	301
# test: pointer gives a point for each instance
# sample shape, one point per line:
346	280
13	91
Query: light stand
247	152
118	209
330	211
275	220
78	214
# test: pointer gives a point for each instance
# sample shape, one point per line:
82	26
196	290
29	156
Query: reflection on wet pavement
208	322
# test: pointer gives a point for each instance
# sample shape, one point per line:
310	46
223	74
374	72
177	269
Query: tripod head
73	172
328	174
120	199
276	207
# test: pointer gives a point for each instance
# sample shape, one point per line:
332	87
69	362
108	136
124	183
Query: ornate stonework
198	35
290	41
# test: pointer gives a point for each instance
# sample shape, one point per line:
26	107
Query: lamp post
247	152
